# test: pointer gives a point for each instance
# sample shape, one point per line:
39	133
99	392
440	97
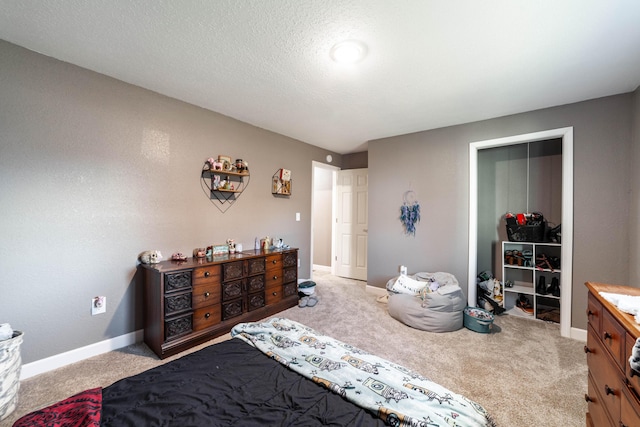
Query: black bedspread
227	384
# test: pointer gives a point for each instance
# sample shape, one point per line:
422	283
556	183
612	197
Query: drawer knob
587	349
206	316
275	277
207	274
607	336
590	313
274	261
274	294
206	295
587	398
608	390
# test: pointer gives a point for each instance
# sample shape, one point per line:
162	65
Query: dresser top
171	265
625	319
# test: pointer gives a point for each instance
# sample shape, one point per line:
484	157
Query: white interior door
352	223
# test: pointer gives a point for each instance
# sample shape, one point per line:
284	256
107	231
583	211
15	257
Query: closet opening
523	174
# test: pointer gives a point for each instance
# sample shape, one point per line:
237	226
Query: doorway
566	135
323	184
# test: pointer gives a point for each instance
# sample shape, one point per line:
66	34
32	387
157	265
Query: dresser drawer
206	317
176	303
274	262
290	259
177	281
255	301
231	290
273	278
597	411
594	313
206	274
232	270
255	283
289	289
178	326
629	409
231	309
206	294
290	274
273	295
613	337
255	266
606	377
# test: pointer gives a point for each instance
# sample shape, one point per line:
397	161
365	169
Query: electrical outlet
403	270
297	216
98	305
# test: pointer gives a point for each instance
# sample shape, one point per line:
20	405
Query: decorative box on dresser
189	302
614	388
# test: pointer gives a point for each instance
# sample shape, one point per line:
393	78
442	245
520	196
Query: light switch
297	216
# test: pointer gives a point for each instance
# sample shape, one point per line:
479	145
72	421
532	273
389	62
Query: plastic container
478	320
307	288
10	364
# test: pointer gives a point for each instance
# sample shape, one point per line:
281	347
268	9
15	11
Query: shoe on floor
304	301
383	299
313	300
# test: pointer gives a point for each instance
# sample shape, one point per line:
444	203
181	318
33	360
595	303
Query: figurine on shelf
213	164
199	252
178	256
150	257
232	246
216	182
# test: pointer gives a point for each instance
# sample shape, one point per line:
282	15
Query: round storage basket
10	363
307	288
478	320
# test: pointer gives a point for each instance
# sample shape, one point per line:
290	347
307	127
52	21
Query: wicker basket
10	364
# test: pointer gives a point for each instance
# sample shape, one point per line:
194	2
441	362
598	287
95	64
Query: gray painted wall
93	171
435	164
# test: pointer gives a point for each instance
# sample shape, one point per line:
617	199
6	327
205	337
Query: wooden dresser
614	388
189	302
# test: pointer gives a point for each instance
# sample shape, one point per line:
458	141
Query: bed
273	373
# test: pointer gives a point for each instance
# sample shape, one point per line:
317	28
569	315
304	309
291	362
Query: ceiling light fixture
348	52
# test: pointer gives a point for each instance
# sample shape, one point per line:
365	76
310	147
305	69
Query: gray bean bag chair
439	310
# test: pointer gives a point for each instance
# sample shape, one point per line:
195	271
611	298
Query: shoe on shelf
542	286
555	287
524	305
508	257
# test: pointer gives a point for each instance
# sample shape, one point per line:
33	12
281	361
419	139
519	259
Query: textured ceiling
430	63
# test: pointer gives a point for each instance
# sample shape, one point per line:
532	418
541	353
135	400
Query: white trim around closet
567	214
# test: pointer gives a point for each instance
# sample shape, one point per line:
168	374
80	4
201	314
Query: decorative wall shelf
223	187
281	183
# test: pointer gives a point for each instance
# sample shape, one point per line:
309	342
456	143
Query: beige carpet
523	373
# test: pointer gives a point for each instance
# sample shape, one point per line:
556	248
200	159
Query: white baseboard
376	290
63	359
326	268
579	334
